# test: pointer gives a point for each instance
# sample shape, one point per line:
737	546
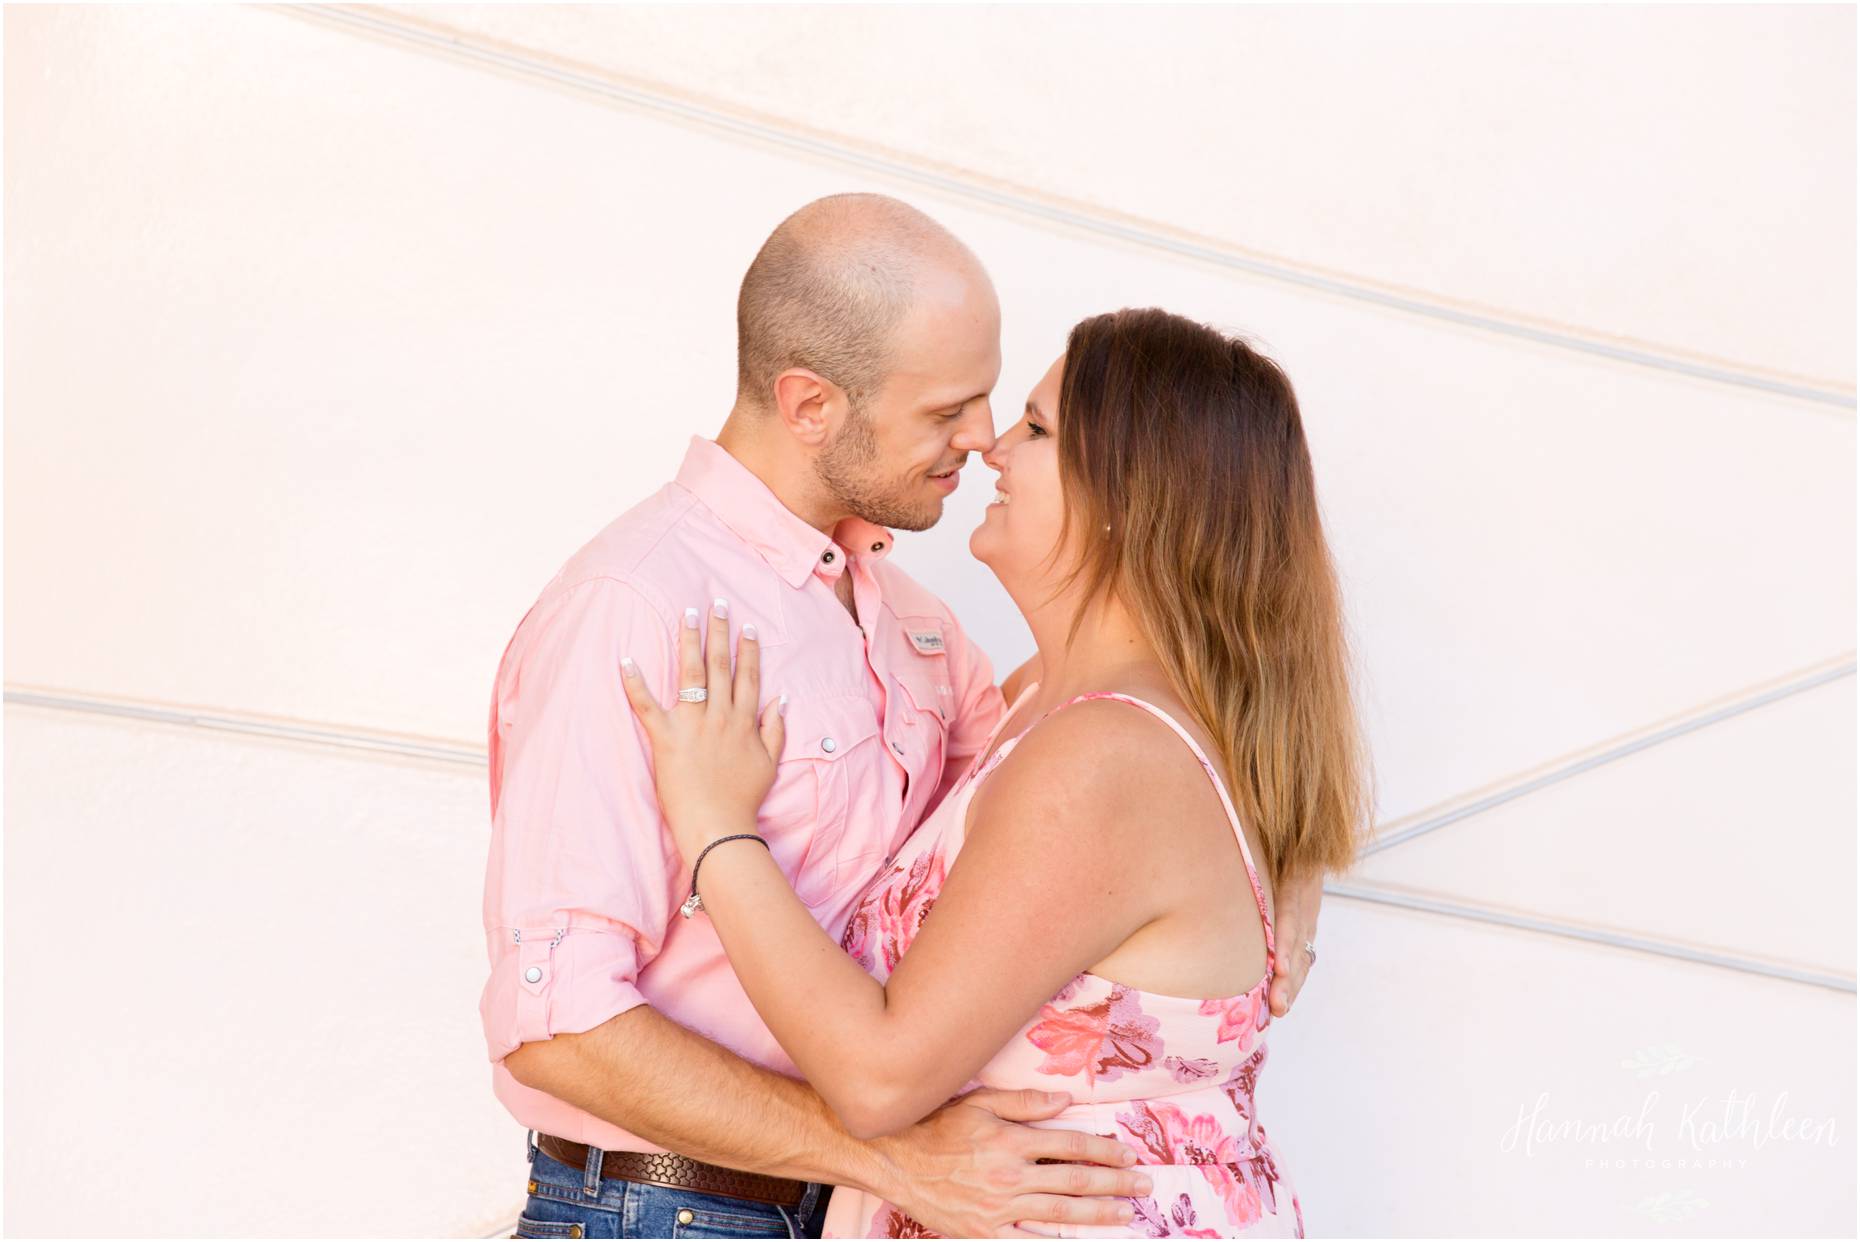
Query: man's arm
644	1073
966	1171
578	894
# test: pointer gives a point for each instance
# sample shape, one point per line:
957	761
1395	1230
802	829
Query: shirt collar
791	546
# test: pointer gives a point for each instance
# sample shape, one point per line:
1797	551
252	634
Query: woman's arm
1043	888
1051	879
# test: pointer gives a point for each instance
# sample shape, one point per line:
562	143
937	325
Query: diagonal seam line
466	757
1610	755
1614	940
232	724
1024	204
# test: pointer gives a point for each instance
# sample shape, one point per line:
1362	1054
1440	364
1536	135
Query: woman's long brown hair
1189	446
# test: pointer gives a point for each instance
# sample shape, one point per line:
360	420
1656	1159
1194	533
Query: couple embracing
799	925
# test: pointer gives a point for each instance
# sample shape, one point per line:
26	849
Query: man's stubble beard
848	469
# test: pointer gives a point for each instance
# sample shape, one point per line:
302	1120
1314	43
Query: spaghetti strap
1220	787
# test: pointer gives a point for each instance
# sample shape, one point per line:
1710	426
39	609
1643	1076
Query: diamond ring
1312	950
693	694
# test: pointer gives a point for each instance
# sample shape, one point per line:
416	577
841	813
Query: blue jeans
567	1202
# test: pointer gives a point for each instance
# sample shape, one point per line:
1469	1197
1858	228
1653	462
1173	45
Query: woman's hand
713	762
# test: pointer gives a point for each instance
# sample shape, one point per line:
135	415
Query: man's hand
968	1170
1294	922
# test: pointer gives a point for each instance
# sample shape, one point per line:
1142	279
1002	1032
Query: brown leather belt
678	1172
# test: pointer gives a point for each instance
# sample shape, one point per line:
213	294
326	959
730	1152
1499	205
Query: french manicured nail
628	667
781	706
1144	1185
1130	1157
720	606
1125	1211
690	618
749	631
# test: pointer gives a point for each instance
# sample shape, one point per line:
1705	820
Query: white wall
326	346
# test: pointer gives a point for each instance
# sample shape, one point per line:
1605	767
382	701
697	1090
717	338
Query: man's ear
807	404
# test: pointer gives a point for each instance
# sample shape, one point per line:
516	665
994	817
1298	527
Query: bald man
659	1104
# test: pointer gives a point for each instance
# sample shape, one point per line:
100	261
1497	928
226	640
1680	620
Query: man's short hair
828	290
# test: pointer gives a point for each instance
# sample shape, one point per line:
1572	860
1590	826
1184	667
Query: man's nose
976	430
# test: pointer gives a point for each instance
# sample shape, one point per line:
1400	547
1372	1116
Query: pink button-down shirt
583	884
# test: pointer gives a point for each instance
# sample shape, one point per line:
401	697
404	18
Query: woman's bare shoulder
1096	766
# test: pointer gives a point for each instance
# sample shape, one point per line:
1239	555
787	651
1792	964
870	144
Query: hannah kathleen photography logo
1668	1129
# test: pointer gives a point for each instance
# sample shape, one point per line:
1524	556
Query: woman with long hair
1103	875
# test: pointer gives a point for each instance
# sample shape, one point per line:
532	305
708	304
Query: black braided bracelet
694	903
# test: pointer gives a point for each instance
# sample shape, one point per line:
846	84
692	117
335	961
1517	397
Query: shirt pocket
924	677
831	744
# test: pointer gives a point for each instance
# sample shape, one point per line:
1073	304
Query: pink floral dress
1171	1076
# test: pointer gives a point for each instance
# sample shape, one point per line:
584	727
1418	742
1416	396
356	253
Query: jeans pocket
531	1227
710	1223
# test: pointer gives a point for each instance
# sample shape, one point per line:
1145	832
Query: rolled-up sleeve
978	704
579	885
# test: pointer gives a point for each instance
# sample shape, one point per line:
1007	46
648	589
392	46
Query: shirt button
878	547
533	974
829	745
686	1216
828	558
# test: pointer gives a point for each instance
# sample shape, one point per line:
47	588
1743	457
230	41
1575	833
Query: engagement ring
695	694
1312	950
